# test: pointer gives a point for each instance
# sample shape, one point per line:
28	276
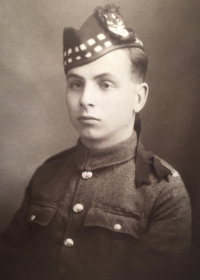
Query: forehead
116	63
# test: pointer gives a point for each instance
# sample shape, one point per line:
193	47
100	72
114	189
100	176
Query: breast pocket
115	222
41	224
42	233
109	236
40	214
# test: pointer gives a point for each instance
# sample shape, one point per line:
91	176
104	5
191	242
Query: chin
92	136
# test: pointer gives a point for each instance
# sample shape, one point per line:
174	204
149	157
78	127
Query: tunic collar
94	159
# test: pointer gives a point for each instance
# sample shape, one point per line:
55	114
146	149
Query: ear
141	96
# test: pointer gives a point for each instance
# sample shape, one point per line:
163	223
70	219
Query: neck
97	144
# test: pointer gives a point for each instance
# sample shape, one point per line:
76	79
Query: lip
88	120
85	118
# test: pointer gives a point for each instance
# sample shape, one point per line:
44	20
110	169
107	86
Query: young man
107	208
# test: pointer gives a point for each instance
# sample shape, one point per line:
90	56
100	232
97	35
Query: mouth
88	119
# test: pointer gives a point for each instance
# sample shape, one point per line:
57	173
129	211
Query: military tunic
84	218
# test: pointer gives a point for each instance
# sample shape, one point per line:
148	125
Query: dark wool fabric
123	232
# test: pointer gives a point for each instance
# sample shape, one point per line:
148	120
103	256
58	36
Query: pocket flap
115	222
40	214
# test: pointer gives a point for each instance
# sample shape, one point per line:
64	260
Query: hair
139	64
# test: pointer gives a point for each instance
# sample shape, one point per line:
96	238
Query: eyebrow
103	75
98	77
72	75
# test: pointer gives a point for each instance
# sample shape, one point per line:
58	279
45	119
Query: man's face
101	98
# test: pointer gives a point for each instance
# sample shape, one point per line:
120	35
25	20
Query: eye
106	85
76	85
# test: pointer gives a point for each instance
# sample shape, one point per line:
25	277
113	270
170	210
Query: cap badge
111	20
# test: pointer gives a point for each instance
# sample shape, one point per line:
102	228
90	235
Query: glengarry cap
103	32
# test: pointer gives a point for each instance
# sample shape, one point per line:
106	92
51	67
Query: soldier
107	208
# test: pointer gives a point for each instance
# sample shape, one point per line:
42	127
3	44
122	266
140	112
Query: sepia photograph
100	135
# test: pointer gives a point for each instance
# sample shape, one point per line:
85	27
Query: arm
12	241
162	251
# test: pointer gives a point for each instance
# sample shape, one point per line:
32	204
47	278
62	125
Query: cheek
71	102
110	107
124	103
129	101
70	107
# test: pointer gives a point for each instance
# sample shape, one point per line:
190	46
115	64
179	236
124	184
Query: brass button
32	217
117	226
87	175
78	208
68	242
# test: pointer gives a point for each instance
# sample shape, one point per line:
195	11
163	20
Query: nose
87	96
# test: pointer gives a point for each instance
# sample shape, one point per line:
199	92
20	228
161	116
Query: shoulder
55	162
171	189
58	160
154	171
174	173
158	180
61	156
54	169
172	181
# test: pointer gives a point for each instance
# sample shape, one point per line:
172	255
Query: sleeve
13	241
162	252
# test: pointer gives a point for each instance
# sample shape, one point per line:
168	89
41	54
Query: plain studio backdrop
34	121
